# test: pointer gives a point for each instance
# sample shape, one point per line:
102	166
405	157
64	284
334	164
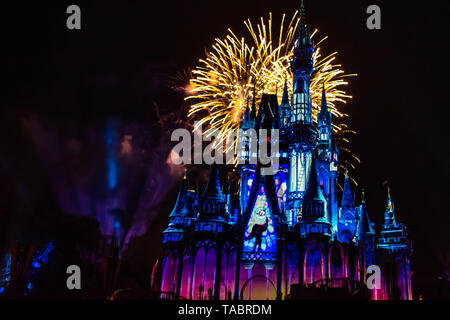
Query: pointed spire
304	38
389	193
181	205
389	214
285	98
313	200
347	196
274	108
228	186
366	225
212	202
196	201
389	204
324	117
363	196
213	188
268	107
285	107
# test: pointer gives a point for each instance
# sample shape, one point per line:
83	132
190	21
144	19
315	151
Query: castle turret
366	227
212	215
179	217
334	165
314	218
366	235
389	214
327	160
212	203
302	67
347	223
394	236
395	250
324	122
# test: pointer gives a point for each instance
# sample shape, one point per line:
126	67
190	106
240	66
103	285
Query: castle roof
313	200
324	117
181	205
213	188
347	195
366	226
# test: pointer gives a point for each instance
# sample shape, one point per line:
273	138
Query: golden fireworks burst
235	69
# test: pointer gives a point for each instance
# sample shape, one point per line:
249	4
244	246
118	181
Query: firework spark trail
235	70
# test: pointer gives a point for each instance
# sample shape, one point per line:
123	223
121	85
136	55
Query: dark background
121	62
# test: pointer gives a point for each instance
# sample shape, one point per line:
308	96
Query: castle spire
304	37
313	202
366	225
181	206
347	196
212	202
302	66
389	214
213	188
324	117
389	195
363	196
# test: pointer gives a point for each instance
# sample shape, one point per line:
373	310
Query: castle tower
247	153
327	161
315	232
324	123
174	240
211	215
395	250
347	223
302	135
314	220
366	240
334	166
179	217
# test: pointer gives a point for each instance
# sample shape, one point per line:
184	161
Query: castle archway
258	287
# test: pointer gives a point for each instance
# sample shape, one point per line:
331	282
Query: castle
286	235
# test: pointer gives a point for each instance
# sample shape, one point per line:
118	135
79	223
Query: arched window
336	265
313	264
204	273
169	276
186	277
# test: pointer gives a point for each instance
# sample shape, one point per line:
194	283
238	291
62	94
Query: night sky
121	62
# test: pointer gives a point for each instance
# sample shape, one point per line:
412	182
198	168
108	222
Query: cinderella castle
290	235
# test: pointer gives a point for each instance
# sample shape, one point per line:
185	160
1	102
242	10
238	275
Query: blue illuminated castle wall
283	235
